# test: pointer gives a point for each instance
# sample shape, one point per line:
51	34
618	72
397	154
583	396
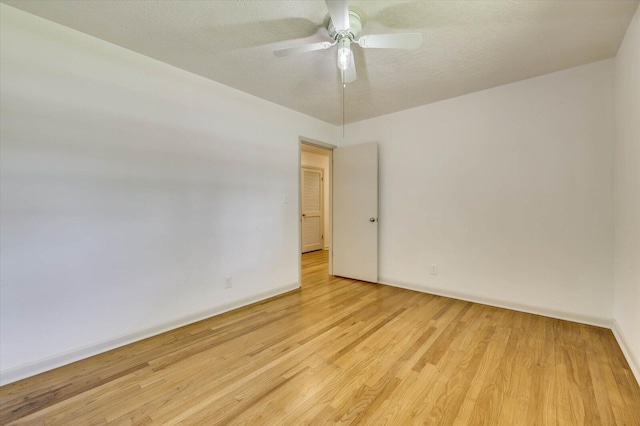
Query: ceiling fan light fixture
345	55
344	29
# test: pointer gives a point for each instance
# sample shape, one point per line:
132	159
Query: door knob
304	215
372	219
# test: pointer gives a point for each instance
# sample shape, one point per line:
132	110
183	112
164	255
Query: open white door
355	212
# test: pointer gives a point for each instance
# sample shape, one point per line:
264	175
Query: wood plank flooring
340	351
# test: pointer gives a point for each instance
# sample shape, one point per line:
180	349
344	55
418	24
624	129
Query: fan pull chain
343	86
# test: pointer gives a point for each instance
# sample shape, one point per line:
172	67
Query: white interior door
355	212
311	208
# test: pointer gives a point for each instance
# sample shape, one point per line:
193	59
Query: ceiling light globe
345	55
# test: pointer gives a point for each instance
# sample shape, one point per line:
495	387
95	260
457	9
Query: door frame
329	147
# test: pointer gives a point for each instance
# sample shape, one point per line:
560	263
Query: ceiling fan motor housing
355	26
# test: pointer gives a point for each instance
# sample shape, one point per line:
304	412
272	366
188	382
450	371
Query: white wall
627	195
322	161
507	190
130	189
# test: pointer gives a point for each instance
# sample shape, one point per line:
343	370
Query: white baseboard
632	358
530	309
37	367
31	369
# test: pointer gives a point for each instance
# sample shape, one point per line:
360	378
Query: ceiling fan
344	26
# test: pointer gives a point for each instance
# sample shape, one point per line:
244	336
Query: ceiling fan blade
391	41
339	12
302	49
349	74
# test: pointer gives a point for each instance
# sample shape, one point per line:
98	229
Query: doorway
349	224
312	207
315	209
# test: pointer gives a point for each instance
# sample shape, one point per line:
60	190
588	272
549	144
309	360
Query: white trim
308	141
632	358
55	361
33	368
530	309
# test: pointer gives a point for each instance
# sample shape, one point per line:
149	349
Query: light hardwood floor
343	351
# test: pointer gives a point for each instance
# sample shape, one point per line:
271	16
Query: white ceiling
468	45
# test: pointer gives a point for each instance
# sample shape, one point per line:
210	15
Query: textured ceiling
468	45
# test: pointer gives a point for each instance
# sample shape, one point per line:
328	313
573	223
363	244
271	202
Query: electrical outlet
434	269
228	282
